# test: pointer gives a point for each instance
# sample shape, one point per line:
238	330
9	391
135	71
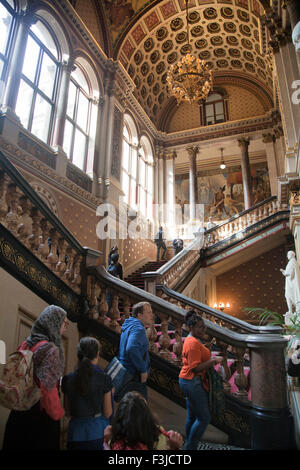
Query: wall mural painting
222	193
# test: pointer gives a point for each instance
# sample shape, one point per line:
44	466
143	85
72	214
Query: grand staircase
136	279
68	275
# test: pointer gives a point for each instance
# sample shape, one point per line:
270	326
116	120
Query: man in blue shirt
134	347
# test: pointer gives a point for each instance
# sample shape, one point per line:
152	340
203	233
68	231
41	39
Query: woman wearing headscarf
39	427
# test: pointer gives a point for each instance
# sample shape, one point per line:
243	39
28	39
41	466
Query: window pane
142	173
209	109
214	97
24	102
125	156
31	59
219	107
5	24
80	79
47	75
125	132
1	71
79	149
41	118
45	37
71	100
149	206
142	201
82	111
125	186
134	162
150	179
133	193
68	137
93	124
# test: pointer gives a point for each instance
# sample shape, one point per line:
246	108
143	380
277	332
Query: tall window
129	164
7	23
214	109
36	97
145	178
81	120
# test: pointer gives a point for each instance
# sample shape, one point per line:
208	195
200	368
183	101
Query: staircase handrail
263	350
241	214
37	202
176	266
221	316
264	337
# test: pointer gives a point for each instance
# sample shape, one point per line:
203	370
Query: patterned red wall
257	283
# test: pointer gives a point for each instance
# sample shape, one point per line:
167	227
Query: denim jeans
198	415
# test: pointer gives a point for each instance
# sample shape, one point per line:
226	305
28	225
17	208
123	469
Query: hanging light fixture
222	164
190	79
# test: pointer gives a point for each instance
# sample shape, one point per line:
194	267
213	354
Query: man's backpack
18	390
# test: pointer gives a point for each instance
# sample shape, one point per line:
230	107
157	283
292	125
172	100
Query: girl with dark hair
87	399
39	428
193	382
134	427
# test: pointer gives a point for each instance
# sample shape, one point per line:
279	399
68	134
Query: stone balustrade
240	222
167	335
29	219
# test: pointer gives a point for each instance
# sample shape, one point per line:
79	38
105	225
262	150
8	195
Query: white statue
292	286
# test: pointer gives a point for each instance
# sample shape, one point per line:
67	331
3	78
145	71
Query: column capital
69	65
171	155
244	143
268	138
192	152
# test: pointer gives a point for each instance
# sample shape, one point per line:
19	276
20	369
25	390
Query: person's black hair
87	350
192	318
114	258
134	422
138	308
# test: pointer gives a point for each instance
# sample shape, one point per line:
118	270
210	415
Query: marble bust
292	285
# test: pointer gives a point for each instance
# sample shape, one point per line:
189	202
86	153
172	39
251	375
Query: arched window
215	109
129	167
37	91
146	178
7	27
81	120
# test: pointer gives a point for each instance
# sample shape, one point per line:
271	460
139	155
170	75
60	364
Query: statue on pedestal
292	286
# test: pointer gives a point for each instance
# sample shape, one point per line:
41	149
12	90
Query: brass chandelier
190	79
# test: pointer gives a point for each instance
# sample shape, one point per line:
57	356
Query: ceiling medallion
190	79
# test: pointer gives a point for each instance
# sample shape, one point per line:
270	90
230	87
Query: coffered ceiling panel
226	34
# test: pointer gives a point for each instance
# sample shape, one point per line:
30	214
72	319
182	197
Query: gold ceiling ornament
190	79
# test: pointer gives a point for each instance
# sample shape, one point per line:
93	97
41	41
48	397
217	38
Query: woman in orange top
193	380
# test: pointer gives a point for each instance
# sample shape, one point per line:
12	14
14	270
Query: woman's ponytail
87	350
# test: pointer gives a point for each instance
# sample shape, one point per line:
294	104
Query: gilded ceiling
149	36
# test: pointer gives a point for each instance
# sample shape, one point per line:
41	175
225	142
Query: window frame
73	120
203	105
35	87
5	58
